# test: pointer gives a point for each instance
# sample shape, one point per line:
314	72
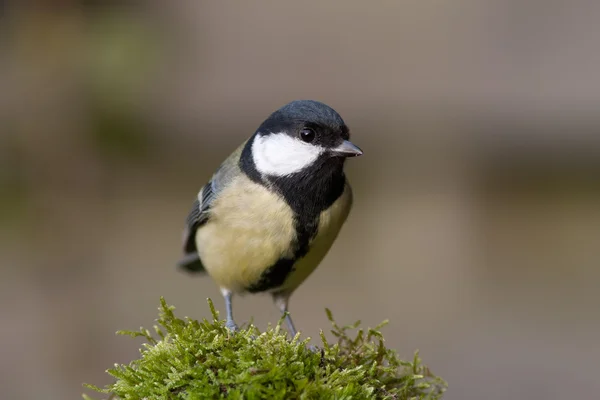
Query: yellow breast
251	228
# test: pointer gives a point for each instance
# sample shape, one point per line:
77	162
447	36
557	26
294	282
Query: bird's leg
281	301
227	295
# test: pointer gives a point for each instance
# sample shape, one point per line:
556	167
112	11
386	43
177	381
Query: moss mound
187	359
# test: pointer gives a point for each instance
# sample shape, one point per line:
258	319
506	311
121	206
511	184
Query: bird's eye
307	135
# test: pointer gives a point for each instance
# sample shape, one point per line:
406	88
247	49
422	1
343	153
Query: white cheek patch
279	154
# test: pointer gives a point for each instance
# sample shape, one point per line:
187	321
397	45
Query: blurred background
476	226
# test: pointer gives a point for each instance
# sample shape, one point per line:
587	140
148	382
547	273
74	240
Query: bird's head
300	135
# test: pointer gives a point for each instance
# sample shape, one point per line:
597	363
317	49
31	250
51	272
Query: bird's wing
200	212
198	216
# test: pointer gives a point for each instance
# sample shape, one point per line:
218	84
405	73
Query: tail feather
191	263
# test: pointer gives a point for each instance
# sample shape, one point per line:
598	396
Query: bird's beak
347	149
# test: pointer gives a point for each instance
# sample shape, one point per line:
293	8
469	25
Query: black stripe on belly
273	277
308	193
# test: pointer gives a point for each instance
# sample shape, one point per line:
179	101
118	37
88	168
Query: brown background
476	227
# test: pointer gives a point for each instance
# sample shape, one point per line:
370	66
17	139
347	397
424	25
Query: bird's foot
313	348
230	324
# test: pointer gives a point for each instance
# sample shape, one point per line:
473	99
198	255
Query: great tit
274	207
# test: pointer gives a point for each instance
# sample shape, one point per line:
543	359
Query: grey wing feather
196	218
200	212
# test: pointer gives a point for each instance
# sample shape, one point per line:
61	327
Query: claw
231	326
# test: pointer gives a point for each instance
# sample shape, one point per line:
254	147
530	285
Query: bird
274	207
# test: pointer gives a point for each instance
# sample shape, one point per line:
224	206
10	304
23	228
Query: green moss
187	359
